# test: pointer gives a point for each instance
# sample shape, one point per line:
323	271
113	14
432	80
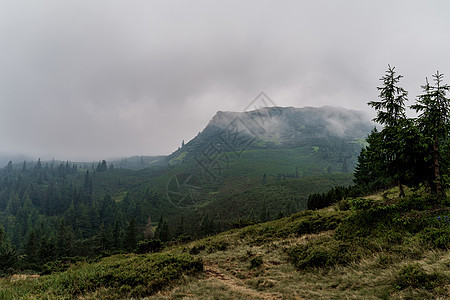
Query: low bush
322	254
436	237
219	246
126	275
196	249
61	265
256	262
149	246
415	276
317	223
343	205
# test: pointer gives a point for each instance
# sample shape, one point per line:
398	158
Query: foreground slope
376	247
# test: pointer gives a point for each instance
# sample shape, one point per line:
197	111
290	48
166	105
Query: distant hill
278	128
238	151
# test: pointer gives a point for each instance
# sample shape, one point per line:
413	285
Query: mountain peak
282	127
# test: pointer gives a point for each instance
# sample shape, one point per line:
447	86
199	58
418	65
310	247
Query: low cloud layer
101	79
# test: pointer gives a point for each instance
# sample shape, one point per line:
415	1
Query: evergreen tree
116	236
131	235
162	231
64	240
207	225
101	238
433	120
8	258
32	247
180	228
102	166
391	114
39	164
9	168
365	171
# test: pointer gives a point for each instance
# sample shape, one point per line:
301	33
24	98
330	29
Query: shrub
415	276
149	246
219	246
196	249
343	205
360	204
256	262
417	202
317	223
61	265
321	254
125	275
436	237
363	222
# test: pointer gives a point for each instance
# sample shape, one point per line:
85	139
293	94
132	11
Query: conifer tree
39	164
131	235
391	114
433	120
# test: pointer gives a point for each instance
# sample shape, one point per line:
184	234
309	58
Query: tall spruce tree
433	121
391	114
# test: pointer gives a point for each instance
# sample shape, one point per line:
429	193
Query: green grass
117	276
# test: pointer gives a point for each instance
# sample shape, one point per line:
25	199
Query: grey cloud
114	78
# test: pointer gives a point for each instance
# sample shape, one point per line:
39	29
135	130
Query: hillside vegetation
375	247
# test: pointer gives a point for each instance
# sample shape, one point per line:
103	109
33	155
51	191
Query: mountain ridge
277	127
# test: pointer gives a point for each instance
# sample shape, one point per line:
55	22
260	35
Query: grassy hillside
376	247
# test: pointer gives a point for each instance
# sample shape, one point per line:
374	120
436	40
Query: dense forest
49	212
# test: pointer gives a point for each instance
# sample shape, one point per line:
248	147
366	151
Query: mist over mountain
276	122
279	127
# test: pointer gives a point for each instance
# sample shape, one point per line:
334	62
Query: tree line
406	151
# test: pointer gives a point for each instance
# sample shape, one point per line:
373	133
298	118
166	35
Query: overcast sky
88	80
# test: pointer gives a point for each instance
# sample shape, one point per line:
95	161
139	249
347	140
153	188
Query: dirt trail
235	284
